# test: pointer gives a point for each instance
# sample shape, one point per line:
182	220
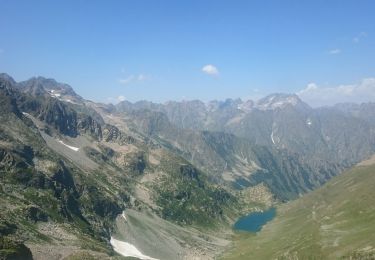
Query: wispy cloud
116	100
359	37
132	78
210	69
334	51
126	80
363	91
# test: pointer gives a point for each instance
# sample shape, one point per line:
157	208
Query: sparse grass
334	221
82	256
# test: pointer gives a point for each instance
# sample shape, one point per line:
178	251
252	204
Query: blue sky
156	50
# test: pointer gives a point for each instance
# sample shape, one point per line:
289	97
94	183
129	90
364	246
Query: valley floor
334	221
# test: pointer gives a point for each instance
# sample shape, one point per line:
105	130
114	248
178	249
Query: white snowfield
127	249
70	147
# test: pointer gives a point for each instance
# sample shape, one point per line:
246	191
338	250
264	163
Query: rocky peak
40	86
8	79
8	95
228	103
278	100
246	106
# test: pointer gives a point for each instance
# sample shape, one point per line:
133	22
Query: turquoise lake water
255	220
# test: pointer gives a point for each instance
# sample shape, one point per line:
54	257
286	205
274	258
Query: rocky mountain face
69	167
66	174
40	86
38	185
250	142
364	111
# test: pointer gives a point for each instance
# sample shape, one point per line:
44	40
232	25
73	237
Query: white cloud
126	80
310	87
121	98
359	37
115	100
210	70
334	51
363	91
132	79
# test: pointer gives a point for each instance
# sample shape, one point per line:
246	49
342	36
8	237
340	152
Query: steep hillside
332	222
278	140
238	161
45	197
76	175
65	176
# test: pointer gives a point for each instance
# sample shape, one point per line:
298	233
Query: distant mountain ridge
280	125
277	121
93	160
326	140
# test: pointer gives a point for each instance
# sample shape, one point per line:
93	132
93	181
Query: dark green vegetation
39	185
185	197
336	221
69	167
12	249
53	194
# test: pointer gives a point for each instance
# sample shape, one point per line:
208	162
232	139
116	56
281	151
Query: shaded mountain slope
278	140
65	177
236	161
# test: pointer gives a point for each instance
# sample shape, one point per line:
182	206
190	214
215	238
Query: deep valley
87	180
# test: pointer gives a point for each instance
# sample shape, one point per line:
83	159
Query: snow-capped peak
274	101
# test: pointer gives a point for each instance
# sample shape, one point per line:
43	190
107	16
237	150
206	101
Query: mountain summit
39	86
279	101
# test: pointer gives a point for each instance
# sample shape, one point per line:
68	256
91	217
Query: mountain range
72	169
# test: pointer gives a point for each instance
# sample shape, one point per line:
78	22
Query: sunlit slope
334	221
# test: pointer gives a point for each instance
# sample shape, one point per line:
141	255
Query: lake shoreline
254	221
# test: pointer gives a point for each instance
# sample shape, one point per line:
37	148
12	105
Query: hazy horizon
310	95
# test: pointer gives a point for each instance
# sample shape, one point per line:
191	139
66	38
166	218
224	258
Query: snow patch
70	101
308	121
273	141
70	147
123	215
55	95
26	114
129	250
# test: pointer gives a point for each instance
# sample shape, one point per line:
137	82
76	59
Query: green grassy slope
334	221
